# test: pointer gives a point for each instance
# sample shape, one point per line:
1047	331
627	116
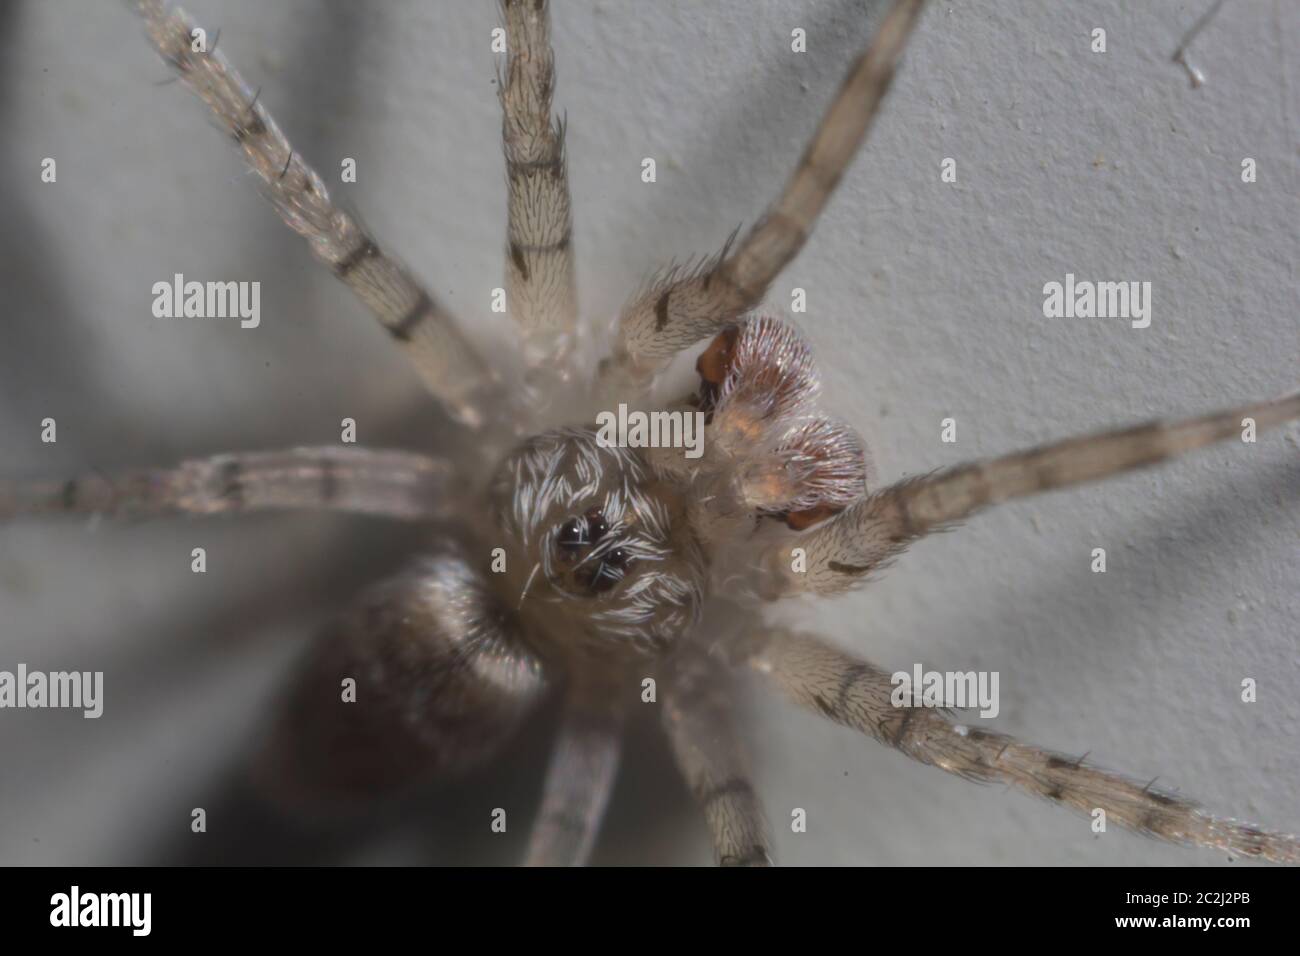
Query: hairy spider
568	566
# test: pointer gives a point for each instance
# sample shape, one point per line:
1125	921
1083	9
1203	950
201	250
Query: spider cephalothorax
598	559
598	543
631	534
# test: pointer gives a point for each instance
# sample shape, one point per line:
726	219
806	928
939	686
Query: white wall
924	302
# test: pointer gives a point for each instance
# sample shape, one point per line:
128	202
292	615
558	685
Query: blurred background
924	302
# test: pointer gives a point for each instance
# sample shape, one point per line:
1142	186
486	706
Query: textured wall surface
924	302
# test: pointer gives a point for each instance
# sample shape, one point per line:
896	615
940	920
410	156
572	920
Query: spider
569	567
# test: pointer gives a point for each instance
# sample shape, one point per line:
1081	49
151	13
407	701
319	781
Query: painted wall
924	302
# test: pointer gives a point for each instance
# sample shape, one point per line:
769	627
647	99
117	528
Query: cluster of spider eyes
576	542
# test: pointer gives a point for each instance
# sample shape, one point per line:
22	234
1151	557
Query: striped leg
685	307
392	484
842	552
449	365
699	718
857	694
540	292
580	777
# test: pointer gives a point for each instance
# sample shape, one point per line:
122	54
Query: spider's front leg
842	552
450	366
858	694
423	678
539	230
391	484
685	307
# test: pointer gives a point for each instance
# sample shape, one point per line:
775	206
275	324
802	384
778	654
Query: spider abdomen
423	678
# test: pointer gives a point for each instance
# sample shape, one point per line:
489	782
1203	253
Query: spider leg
684	307
580	776
450	366
857	694
698	716
841	552
392	484
540	293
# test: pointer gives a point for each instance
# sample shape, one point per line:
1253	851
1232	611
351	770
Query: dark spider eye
611	570
604	579
597	526
572	538
575	541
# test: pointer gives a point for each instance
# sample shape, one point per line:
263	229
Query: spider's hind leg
859	695
699	717
581	774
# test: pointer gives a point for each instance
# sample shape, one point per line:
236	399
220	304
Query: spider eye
597	526
572	539
607	572
580	534
577	540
